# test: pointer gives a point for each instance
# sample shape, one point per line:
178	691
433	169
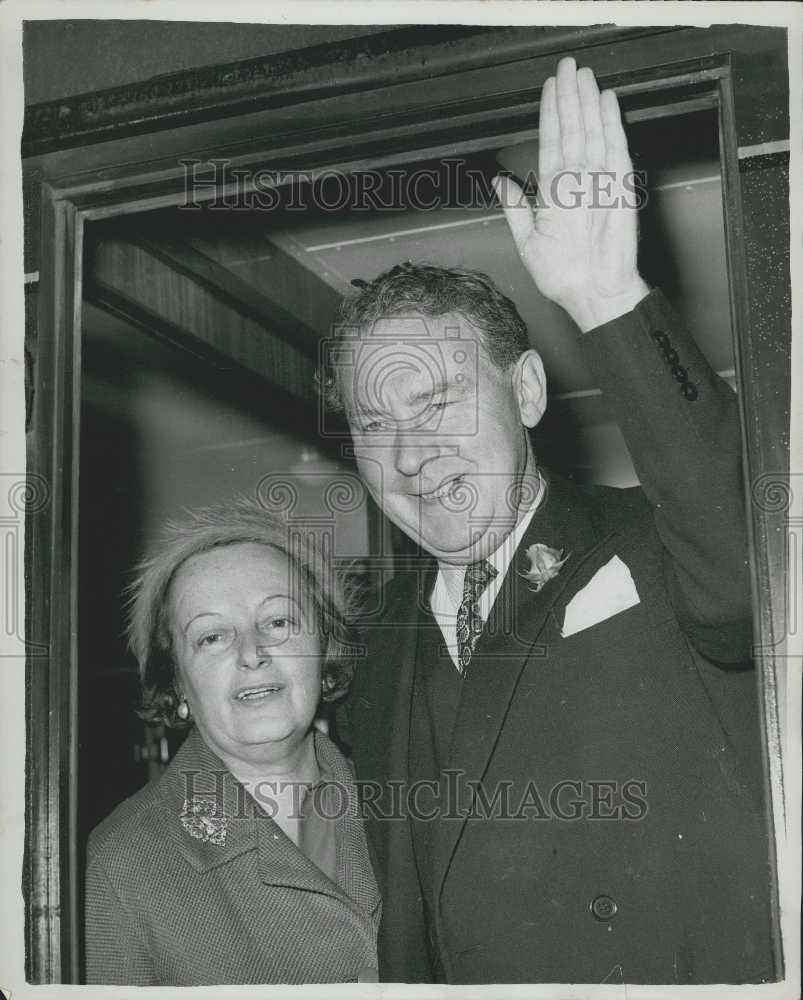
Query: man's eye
373	427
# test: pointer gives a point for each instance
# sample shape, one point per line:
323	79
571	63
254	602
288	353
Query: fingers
572	135
550	155
516	208
592	118
578	126
616	151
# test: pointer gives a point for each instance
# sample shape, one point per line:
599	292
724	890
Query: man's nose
412	450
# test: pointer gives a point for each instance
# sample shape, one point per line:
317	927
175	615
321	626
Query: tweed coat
629	840
164	907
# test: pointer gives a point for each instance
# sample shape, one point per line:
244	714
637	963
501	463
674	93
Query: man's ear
529	385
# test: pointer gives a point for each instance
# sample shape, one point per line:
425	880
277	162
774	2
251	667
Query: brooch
202	820
545	563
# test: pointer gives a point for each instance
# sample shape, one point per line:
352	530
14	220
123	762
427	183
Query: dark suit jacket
658	873
165	907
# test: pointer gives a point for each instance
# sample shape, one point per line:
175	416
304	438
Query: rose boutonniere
545	563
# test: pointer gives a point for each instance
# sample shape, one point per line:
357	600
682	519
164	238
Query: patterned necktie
469	621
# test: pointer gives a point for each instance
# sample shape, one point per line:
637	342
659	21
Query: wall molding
295	77
764	149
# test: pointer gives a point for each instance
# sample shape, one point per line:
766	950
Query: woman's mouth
257	693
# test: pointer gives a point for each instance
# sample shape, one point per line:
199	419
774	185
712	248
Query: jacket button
660	338
689	390
680	373
604	908
671	356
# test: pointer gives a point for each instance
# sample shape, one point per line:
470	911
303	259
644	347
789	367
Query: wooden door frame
396	104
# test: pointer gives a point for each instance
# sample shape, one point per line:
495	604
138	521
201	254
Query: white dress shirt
447	594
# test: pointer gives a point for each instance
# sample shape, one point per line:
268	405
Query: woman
246	862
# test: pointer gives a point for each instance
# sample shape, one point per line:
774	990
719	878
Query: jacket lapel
509	640
384	704
354	871
213	820
210	816
281	863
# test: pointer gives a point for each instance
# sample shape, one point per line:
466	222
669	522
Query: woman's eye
211	638
282	623
277	625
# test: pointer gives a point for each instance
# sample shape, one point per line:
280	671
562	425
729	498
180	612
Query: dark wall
63	58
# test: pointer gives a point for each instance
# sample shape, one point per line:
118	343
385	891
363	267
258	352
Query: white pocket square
608	592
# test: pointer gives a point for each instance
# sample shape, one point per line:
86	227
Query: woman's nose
253	651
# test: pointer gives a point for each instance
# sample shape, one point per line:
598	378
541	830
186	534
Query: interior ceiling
682	244
130	376
303	260
479	239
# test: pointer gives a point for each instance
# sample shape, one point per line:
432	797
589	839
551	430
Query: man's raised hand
580	244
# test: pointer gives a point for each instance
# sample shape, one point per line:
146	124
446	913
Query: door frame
393	105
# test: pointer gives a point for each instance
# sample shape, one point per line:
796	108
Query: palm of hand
580	245
575	247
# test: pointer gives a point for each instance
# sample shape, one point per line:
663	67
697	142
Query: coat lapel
210	815
213	820
354	871
509	640
383	703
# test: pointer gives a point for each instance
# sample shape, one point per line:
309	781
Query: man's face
439	432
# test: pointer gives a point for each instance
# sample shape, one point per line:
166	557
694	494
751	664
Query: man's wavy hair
415	287
243	520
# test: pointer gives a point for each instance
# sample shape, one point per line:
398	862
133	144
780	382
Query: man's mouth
444	490
257	693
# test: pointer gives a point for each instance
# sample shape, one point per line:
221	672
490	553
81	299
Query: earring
183	710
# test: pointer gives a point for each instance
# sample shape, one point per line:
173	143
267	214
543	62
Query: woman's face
249	659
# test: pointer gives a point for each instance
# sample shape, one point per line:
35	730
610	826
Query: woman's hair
241	521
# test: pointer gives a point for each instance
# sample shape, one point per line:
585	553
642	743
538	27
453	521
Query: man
561	750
